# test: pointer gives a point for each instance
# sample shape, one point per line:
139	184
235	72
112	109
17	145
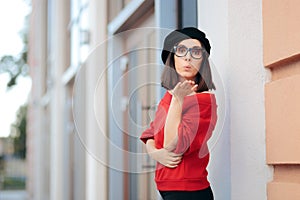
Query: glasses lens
181	50
196	52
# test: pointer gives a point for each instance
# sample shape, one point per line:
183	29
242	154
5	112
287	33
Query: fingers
175	154
189	82
190	85
175	160
173	164
194	88
168	158
172	161
177	85
187	85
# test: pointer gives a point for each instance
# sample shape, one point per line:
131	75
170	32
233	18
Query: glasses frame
188	50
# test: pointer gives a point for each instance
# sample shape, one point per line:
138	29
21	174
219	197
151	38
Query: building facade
282	96
95	68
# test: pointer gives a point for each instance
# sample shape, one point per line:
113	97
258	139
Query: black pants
205	194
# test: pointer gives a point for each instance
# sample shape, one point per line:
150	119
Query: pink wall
281	43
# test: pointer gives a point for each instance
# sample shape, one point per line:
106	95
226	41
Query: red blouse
198	120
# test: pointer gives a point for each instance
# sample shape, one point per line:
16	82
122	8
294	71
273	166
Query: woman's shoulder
204	95
206	98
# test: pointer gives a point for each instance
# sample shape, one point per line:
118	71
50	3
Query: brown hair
169	77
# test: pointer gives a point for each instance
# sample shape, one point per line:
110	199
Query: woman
185	118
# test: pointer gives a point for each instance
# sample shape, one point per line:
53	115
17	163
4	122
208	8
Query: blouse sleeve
195	127
156	125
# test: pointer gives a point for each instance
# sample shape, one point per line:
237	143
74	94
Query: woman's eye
181	49
196	51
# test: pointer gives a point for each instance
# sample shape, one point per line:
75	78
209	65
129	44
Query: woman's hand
183	89
166	157
163	156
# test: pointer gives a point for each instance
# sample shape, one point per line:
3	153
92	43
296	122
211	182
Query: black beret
178	35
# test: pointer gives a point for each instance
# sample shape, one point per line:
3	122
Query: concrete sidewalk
13	195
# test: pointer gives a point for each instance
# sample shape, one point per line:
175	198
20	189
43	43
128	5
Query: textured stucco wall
213	20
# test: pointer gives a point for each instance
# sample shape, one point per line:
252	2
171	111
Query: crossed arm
165	156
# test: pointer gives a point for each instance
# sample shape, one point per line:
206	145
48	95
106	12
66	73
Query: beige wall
281	28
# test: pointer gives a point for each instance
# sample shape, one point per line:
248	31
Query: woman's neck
182	79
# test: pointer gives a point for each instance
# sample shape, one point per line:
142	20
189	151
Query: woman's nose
187	57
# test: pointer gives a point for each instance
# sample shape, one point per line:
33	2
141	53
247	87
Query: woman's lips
187	67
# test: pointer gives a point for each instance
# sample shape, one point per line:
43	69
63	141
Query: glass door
140	90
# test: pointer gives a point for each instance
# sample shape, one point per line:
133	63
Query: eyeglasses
181	50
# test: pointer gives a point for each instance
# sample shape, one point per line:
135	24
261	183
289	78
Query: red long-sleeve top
197	123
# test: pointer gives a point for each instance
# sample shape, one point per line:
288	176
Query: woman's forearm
150	146
173	118
163	156
172	122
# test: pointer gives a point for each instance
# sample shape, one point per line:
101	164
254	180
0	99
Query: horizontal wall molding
135	10
287	173
289	68
284	62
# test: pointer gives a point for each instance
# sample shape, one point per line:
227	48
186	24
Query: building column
96	109
59	61
37	58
